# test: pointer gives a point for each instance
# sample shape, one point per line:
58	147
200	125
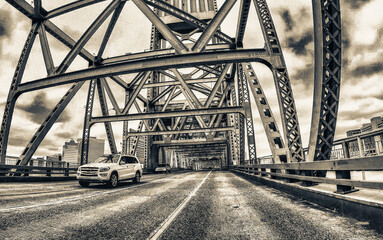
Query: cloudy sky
362	66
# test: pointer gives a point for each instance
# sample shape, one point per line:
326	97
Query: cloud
355	4
39	108
368	69
299	45
7	24
19	138
287	19
305	75
64	135
64	117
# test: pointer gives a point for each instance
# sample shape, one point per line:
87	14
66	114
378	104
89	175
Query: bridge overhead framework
192	88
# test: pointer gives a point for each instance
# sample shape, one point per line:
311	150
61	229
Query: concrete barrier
359	209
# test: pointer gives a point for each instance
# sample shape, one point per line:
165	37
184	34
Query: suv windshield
107	159
161	165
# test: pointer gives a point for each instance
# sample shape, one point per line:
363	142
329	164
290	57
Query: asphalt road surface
189	205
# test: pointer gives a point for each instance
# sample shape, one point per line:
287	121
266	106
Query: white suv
110	169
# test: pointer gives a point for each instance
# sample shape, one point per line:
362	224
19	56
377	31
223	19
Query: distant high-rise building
72	150
96	148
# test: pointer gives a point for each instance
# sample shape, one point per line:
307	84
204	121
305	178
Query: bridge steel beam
282	83
327	36
201	130
154	115
176	61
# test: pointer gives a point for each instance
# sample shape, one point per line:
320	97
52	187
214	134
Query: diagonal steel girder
55	113
161	27
70	7
282	84
327	78
86	36
186	17
12	95
104	110
26	9
213	26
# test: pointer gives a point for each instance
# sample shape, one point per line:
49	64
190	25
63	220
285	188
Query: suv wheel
83	184
137	178
113	181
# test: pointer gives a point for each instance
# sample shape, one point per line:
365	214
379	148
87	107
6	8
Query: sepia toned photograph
191	119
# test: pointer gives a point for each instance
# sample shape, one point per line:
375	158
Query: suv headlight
104	169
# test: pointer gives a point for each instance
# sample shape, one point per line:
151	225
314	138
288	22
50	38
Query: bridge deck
216	205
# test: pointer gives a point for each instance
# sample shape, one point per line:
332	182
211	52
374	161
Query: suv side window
124	160
131	160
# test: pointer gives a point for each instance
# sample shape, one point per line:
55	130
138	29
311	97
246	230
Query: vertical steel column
155	44
232	134
125	130
133	147
248	115
12	96
87	118
104	110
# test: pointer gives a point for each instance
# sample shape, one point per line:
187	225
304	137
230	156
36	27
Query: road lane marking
99	193
165	224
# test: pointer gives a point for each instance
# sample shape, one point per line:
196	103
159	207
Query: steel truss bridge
192	88
192	95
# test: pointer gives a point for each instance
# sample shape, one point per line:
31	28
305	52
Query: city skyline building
375	123
72	150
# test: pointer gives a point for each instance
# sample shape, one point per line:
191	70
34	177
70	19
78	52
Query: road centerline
165	224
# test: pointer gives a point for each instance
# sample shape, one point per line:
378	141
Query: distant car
163	168
110	169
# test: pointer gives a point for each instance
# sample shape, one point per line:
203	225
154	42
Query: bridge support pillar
293	172
346	151
273	171
307	173
153	157
263	170
341	189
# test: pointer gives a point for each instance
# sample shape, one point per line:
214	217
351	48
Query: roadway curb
359	209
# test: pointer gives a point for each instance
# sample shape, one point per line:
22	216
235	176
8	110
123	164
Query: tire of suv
137	178
83	184
113	181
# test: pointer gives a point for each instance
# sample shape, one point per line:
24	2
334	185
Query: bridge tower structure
191	91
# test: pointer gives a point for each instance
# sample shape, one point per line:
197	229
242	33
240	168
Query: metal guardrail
16	170
312	172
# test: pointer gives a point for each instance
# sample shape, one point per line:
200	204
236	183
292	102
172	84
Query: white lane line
165	224
79	197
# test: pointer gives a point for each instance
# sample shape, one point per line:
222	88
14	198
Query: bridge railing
319	172
17	170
